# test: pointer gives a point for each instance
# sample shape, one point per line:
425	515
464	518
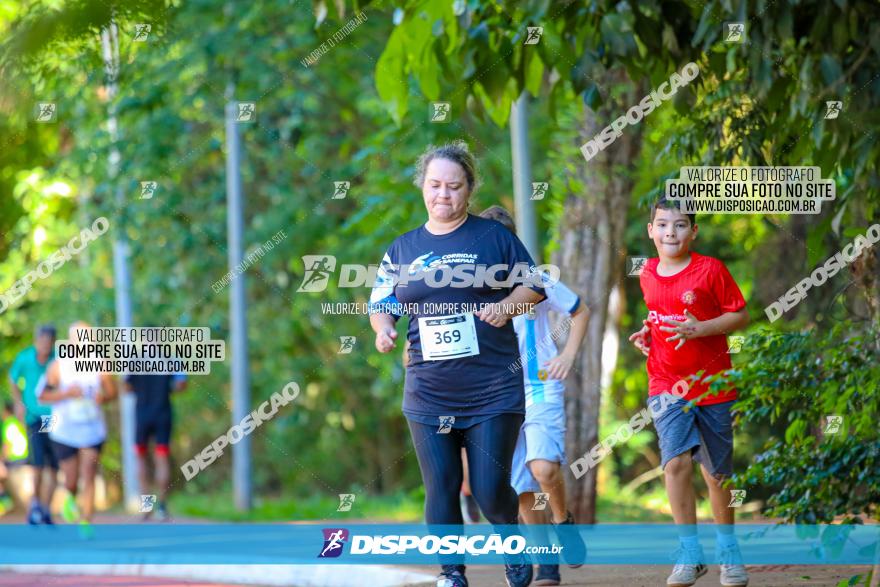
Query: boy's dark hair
500	214
46	330
664	204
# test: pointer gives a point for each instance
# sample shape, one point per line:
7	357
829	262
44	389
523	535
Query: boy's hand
690	328
559	366
642	338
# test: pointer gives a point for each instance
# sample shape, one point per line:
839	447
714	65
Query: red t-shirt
706	288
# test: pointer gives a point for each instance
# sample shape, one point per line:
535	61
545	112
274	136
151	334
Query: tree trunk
592	257
866	272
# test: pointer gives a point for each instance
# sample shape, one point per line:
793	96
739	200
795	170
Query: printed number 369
447	336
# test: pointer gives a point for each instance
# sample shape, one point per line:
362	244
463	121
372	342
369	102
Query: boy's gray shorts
706	431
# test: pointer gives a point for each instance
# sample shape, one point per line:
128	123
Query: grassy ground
612	507
220	507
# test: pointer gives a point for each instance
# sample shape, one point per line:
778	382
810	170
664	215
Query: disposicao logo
334	541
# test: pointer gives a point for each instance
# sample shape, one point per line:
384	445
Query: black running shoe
574	550
518	575
548	575
452	576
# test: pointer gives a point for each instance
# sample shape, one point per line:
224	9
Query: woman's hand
493	314
385	338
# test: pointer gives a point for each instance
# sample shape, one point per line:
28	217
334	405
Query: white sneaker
733	572
734	576
685	575
689	566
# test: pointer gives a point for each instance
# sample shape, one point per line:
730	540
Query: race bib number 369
448	337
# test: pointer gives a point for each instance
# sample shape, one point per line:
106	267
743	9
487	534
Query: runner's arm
579	321
726	323
108	389
519	300
18	405
383	326
642	339
50	393
693	328
559	366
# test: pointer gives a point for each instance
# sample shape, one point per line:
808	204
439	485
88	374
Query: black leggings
489	447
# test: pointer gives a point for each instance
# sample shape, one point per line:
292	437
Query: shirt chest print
659	319
429	261
688	298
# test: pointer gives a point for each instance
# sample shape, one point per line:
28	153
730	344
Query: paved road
21	580
655	576
482	576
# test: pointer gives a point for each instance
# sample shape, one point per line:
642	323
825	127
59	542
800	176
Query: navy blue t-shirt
470	388
153	392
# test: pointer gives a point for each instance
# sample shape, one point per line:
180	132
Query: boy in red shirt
693	303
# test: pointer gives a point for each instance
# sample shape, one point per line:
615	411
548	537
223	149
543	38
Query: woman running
459	391
78	430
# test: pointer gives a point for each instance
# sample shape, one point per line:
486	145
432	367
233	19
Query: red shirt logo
689	297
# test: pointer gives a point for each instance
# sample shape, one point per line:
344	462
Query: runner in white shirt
540	449
77	430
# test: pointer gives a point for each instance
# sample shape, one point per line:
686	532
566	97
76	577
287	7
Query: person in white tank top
80	422
77	430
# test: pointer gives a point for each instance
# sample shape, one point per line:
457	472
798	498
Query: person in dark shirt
460	279
153	420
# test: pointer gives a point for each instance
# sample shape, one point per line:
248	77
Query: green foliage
761	102
856	580
313	128
798	380
757	103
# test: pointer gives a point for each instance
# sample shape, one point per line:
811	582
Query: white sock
726	539
691	542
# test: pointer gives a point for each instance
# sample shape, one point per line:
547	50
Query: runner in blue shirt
459	390
27	370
